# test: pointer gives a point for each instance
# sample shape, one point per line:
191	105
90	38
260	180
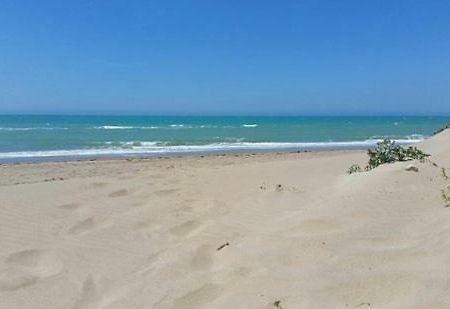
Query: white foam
152	147
249	125
31	129
407	138
113	127
110	127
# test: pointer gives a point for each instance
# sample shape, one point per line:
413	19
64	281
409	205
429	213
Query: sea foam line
31	128
111	127
150	148
173	126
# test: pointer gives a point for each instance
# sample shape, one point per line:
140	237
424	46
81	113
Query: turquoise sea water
96	136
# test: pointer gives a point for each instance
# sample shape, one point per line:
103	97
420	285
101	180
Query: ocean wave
209	126
113	127
182	126
230	139
110	127
415	136
135	144
31	128
408	137
174	126
158	148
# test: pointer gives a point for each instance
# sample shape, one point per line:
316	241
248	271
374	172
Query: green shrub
355	168
388	151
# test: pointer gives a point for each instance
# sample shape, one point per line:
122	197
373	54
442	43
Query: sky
230	57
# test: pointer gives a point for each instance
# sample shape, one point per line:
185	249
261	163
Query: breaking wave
157	148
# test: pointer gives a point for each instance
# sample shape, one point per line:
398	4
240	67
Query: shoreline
145	157
313	147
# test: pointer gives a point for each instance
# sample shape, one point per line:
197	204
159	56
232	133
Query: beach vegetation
354	168
444	174
445	192
446	196
442	129
388	151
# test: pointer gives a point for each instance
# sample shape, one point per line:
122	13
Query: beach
273	230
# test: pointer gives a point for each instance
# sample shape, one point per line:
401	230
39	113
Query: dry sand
247	231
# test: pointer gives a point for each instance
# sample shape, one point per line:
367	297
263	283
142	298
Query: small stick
223	246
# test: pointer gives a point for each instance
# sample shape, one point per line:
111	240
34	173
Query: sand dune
247	231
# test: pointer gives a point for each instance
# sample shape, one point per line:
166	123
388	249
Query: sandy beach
289	230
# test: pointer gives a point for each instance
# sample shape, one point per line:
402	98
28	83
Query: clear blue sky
298	57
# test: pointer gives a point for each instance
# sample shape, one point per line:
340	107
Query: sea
30	138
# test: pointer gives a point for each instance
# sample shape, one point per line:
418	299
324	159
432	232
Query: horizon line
219	115
114	114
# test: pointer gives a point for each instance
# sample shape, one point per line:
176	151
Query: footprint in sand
187	228
185	209
13	280
94	296
98	185
90	296
26	267
88	225
198	298
83	227
149	264
71	206
203	257
165	192
118	193
157	176
219	208
146	228
317	226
